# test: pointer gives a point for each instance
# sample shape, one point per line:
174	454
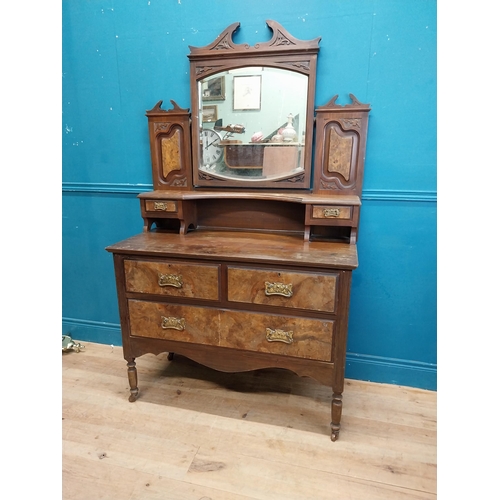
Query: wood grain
171	153
201	434
310	338
241	247
200	325
314	291
198	281
339	152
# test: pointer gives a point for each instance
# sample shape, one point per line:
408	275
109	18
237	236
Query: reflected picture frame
247	92
214	89
209	114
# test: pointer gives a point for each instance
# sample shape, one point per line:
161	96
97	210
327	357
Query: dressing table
248	245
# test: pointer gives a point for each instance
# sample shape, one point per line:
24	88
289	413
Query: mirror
252	111
255	127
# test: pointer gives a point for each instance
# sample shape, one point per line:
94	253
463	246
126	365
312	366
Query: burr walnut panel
340	146
159	320
284	335
272	287
173	279
171	153
169	141
339	152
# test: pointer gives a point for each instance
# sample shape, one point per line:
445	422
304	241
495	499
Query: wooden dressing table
247	268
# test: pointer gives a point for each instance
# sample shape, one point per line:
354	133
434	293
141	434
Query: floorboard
198	434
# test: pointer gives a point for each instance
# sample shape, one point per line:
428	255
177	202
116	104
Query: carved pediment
281	40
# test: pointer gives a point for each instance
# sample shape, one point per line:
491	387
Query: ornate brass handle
279	336
173	323
159	205
331	212
279	289
174	280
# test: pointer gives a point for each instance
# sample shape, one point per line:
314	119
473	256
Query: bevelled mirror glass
252	111
253	123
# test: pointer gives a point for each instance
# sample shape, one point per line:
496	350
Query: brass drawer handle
331	212
173	323
159	205
278	289
279	336
174	280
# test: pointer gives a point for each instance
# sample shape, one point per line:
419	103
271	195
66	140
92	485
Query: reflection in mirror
256	128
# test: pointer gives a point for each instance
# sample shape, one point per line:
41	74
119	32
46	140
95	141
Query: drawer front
283	335
169	206
312	291
331	212
173	279
156	320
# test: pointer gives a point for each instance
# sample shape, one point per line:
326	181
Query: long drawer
199	281
298	290
269	333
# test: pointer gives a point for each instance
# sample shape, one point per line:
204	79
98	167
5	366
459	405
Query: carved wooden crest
281	40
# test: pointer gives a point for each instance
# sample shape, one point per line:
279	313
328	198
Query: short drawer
169	206
310	291
173	279
157	320
332	212
283	335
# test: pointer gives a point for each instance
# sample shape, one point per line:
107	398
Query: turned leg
336	414
132	380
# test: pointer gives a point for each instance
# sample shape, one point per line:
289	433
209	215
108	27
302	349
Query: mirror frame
282	51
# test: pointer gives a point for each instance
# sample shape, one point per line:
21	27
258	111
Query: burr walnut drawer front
282	335
332	212
198	325
302	290
175	279
268	333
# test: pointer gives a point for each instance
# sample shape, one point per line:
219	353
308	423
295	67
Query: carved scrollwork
223	44
179	182
348	123
207	177
280	40
201	70
354	104
162	126
175	108
295	178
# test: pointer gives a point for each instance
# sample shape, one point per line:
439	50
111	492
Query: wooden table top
263	248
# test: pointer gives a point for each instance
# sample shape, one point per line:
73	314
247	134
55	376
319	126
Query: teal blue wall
121	57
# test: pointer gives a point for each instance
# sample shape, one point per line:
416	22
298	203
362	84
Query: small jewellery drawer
331	212
173	279
283	335
311	291
197	325
169	206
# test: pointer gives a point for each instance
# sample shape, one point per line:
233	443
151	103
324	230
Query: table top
263	248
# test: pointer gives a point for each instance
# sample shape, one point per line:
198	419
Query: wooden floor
197	434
